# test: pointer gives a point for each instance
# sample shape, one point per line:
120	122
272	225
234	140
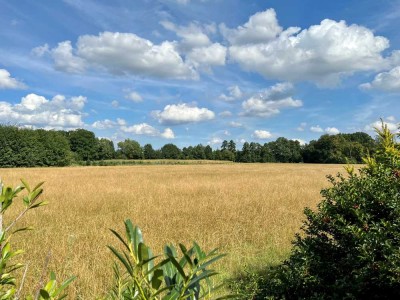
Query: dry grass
251	211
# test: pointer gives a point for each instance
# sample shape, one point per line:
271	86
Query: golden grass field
250	211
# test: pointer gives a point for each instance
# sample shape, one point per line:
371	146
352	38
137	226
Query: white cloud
146	129
322	53
261	27
105	124
215	141
328	130
7	82
183	113
261	134
391	118
133	96
41	50
65	60
192	35
225	114
316	129
302	126
204	57
121	122
122	54
234	93
270	101
115	103
235	124
385	81
332	130
35	110
302	142
168	134
378	124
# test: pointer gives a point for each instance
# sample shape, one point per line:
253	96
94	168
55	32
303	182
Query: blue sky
200	71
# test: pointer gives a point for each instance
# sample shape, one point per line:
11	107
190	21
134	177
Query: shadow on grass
255	284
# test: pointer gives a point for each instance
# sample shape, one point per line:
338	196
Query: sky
200	71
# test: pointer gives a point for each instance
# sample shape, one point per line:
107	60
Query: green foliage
340	148
106	149
350	246
146	276
8	286
84	143
130	149
149	152
170	151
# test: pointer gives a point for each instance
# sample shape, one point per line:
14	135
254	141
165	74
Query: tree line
23	147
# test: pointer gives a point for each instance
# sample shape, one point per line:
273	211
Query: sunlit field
250	211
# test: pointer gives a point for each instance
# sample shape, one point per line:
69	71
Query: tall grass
250	211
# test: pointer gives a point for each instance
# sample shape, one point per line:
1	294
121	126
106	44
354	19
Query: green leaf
64	285
23	229
44	294
39	204
184	251
120	238
127	265
177	266
26	185
156	281
38	185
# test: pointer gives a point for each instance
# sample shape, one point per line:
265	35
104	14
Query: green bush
146	276
349	248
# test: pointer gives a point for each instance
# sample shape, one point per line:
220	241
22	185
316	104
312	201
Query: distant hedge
24	147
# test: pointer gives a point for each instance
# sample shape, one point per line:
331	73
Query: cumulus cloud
183	113
323	53
270	101
261	27
193	35
65	60
328	130
225	114
316	129
234	93
235	124
7	82
261	134
105	124
122	54
115	103
146	129
378	124
301	142
332	130
36	110
385	81
134	97
215	141
302	126
205	57
168	134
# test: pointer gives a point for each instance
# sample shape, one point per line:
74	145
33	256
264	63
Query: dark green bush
349	248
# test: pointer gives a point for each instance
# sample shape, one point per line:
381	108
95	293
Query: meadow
250	211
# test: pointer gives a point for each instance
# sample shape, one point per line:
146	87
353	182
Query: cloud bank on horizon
179	70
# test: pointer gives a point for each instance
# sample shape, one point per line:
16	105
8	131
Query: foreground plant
350	246
8	286
146	276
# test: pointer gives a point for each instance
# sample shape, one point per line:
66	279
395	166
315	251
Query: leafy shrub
349	247
146	276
